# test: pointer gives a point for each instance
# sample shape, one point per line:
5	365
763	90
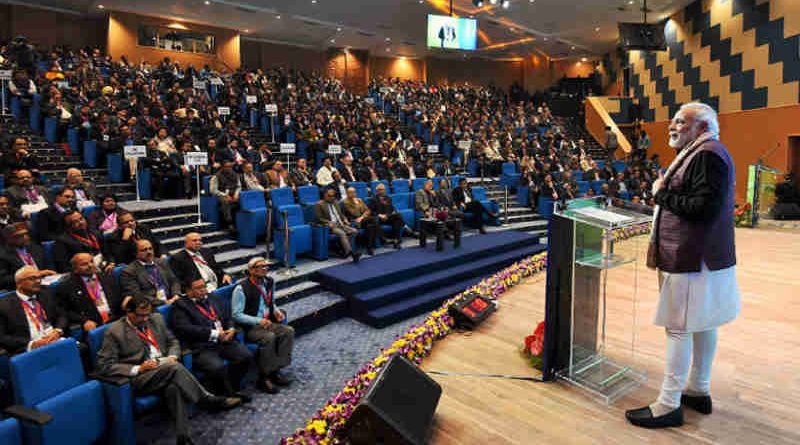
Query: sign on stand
251	99
217	81
271	109
433	148
224	111
199	85
135	152
197	159
464	145
5	74
287	148
334	149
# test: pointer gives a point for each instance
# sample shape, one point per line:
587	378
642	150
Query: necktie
33	195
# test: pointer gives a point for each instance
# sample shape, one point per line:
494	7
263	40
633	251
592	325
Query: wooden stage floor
755	383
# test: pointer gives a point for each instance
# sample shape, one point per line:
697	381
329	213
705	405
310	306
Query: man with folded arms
150	277
253	309
139	346
30	318
88	297
204	329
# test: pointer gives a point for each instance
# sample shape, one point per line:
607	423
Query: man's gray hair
255	260
23	271
703	113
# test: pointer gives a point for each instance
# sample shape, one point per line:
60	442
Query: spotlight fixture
388	39
478	3
596	29
388	49
246	30
506	4
278	17
100	7
584	59
421	1
207	2
573	48
313	2
494	2
339	29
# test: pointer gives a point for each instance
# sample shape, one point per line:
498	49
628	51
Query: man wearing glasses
254	309
30	318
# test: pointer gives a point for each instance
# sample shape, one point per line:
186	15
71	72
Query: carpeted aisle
323	360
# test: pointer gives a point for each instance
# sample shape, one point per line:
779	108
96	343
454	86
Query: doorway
794	155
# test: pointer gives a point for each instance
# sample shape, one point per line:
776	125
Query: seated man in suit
27	197
209	333
50	221
424	199
226	185
195	262
357	211
382	207
149	277
8	214
253	309
467	203
122	242
31	317
85	191
88	297
17	251
278	177
330	213
77	238
301	175
140	347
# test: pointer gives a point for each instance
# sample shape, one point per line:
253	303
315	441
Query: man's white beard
682	140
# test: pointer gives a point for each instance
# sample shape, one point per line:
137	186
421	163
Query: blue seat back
418	184
479	193
293	212
583	187
48	247
454	180
577	175
400	186
509	168
206	183
308	194
223	296
10	432
252	200
361	189
281	196
402	201
436	180
374	185
597	186
51	129
46	372
618	166
95	340
87	210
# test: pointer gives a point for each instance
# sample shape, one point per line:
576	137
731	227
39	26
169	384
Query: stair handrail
596	110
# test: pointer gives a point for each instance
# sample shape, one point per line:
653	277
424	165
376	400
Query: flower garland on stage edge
415	345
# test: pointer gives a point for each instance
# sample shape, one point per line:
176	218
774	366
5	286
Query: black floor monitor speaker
398	408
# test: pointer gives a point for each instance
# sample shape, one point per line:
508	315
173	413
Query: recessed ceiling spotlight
388	49
630	2
531	1
478	3
545	39
421	1
388	39
584	59
207	2
100	7
573	48
506	4
313	2
494	2
596	29
339	29
246	30
278	17
402	57
333	40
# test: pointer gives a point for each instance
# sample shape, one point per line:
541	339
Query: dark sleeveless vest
252	298
683	244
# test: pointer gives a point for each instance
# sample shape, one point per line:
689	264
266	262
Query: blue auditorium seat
303	238
143	179
74	140
472	167
251	219
418	184
545	207
308	195
509	176
90	154
51	379
35	114
400	186
362	191
522	196
480	195
454	180
374	185
436	181
583	187
597	186
281	196
577	175
51	129
618	166
10	432
48	246
115	165
403	202
16	106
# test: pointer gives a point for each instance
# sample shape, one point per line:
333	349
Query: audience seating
509	176
545	207
361	189
480	195
51	380
597	186
10	432
281	197
418	184
583	187
74	140
115	165
251	219
374	185
51	129
522	196
400	186
90	154
308	195
404	203
303	238
577	175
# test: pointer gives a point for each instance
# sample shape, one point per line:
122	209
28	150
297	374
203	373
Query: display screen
452	32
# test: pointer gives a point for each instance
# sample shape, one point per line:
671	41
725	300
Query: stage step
399	291
314	311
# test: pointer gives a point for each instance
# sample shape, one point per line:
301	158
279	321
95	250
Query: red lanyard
267	297
35	313
211	314
147	337
26	257
199	260
91	241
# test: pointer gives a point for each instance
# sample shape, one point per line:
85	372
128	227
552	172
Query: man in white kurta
693	199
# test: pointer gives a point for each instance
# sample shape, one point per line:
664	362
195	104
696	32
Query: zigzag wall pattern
732	54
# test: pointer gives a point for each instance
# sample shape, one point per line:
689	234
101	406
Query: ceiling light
421	1
630	2
100	7
314	2
339	29
207	2
478	3
596	29
545	39
278	17
506	4
402	57
333	40
388	49
246	30
583	59
388	39
531	1
494	2
573	48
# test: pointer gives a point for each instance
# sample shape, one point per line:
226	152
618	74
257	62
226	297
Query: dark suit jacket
423	201
49	224
10	262
77	303
122	349
349	176
17	196
381	206
96	217
14	330
124	252
67	246
191	327
324	216
135	280
459	195
185	268
89	189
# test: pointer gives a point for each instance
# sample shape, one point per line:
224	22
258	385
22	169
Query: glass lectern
592	297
